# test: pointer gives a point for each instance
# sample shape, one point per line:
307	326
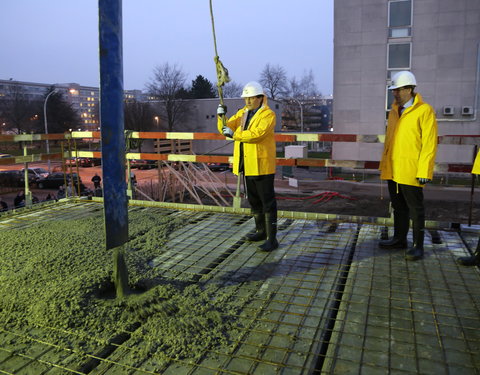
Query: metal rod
28	193
72	182
472	189
112	134
46	124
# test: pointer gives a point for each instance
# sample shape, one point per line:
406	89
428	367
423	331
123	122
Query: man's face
253	102
402	95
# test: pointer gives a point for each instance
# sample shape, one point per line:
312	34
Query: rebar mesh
327	301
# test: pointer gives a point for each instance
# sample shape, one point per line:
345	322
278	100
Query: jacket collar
417	100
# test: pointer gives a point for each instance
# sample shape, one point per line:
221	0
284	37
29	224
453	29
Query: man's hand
423	181
221	110
227	132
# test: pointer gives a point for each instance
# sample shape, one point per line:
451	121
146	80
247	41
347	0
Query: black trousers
407	203
261	193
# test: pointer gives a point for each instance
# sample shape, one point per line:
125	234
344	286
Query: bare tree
274	81
304	88
19	112
307	85
168	85
60	114
139	116
294	88
299	105
232	90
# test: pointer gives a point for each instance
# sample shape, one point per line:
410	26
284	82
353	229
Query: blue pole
113	140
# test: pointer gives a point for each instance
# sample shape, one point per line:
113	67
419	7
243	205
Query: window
400	32
400	13
400	18
399	56
389	100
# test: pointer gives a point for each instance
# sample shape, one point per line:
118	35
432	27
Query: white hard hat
252	89
402	79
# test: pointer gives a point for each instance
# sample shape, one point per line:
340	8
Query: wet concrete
327	301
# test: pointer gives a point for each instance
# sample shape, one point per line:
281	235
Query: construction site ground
205	301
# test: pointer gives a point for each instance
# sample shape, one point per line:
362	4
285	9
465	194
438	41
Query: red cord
324	197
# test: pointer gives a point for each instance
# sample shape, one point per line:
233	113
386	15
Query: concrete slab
328	300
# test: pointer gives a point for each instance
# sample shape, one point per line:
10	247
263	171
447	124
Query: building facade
437	40
85	100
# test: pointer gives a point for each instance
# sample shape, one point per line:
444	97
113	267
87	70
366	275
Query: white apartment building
437	40
84	99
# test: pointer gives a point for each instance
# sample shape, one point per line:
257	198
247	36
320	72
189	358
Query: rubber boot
400	230
260	233
474	260
416	252
271	227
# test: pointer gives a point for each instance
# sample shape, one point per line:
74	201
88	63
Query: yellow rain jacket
476	164
259	149
410	144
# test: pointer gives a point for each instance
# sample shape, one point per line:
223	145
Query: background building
307	114
437	40
83	99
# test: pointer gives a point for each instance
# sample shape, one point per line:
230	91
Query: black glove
422	181
221	110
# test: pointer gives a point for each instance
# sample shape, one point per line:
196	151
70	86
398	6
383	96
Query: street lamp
46	126
301	113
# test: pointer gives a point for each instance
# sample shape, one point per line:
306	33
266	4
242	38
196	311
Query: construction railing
181	151
177	147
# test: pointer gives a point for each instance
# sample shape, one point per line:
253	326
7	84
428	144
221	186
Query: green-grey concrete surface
327	301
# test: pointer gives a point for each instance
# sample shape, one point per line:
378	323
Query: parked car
218	166
15	178
12	178
89	162
72	162
143	164
56	179
35	173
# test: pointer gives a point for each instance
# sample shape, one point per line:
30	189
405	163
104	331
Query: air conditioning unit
448	110
467	111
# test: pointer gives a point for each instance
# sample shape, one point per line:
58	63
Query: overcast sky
56	41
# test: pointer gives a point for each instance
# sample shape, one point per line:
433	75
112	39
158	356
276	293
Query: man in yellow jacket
473	260
252	129
407	162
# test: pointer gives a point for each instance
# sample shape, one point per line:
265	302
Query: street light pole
46	126
301	113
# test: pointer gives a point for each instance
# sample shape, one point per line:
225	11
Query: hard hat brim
393	87
250	96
